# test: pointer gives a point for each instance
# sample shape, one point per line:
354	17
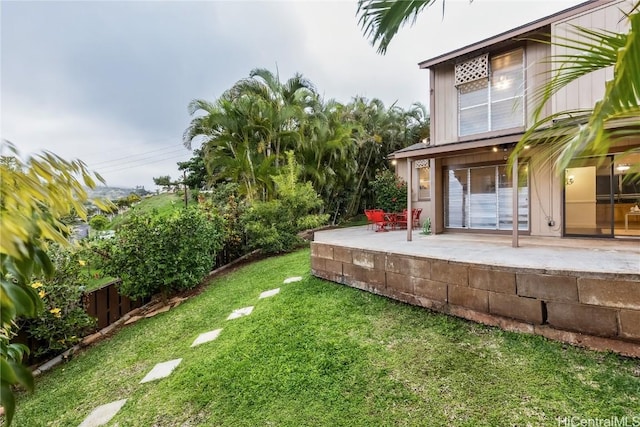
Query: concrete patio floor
550	254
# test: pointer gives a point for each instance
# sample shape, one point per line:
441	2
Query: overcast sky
109	82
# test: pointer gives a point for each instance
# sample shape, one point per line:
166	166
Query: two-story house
481	102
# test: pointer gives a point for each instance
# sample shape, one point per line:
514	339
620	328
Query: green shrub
390	191
99	222
154	254
273	225
63	322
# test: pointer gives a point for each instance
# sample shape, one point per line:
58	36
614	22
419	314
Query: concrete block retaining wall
594	310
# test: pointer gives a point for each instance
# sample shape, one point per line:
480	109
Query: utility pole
184	181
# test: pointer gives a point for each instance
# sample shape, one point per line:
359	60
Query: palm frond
571	134
381	20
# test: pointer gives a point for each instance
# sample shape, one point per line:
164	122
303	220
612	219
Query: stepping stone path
206	337
161	370
240	312
267	294
103	414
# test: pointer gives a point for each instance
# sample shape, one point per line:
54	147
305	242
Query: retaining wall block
492	280
583	318
456	274
322	251
430	289
356	273
333	266
610	293
475	299
431	304
363	259
630	324
400	282
547	287
527	309
318	263
410	266
342	254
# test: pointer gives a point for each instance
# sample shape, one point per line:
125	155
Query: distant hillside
115	193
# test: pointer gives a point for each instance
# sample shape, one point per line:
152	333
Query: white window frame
489	101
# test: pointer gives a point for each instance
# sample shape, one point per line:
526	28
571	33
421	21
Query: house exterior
481	102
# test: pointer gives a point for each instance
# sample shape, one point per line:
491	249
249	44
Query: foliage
426	226
196	172
234	233
34	195
330	355
566	135
390	191
163	204
245	133
99	222
273	225
163	181
381	19
63	322
152	254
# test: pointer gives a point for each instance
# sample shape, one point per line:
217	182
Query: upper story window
494	101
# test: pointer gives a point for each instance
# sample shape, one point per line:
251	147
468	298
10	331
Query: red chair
401	219
379	220
415	217
369	214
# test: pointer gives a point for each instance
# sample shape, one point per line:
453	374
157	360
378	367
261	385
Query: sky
109	82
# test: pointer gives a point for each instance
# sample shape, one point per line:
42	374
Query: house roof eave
515	32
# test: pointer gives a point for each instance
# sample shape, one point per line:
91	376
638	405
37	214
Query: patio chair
369	214
401	219
379	220
415	218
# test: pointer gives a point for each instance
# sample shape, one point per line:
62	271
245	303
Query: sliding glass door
600	196
481	198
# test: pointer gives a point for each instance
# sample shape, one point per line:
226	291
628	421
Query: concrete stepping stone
103	414
267	294
293	279
161	370
206	337
240	312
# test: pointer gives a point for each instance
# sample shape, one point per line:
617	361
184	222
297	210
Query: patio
582	291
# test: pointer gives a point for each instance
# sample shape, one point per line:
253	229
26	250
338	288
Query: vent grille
423	163
474	69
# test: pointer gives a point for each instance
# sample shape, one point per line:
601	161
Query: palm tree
283	109
327	154
228	130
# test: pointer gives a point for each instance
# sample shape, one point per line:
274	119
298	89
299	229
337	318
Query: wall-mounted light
494	149
570	179
526	147
394	162
623	167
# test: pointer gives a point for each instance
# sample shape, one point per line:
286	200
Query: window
494	102
424	183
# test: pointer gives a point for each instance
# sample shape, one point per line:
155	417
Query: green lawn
322	354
